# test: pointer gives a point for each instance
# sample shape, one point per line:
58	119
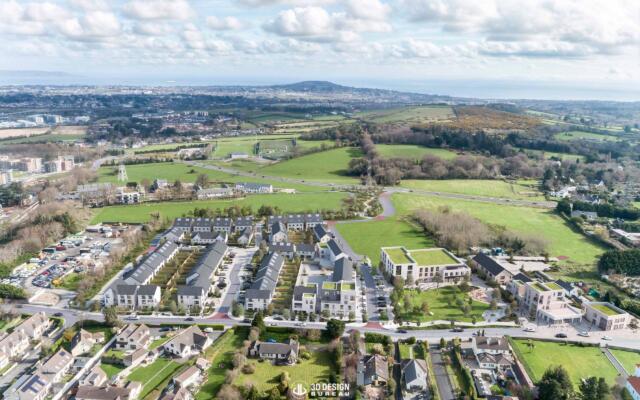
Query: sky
482	48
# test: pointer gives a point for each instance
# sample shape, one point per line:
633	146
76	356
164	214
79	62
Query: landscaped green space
71	281
327	166
580	362
628	359
478	187
412	151
442	304
433	257
299	202
581	135
417	114
563	242
220	355
152	375
158	342
111	369
407	351
316	369
366	238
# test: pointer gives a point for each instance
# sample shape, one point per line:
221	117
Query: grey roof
282	247
257	294
282	349
200	274
247	232
252	185
150	264
305	248
202	222
223	221
172	234
244	221
412	368
334	247
342	270
522	277
314	218
298	291
319	232
126	290
102	393
183	222
375	364
488	263
277	227
266	277
491	343
206	235
192	336
147	290
194	291
568	286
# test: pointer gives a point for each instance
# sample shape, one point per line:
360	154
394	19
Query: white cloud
224	23
91	26
158	10
294	3
368	9
45	12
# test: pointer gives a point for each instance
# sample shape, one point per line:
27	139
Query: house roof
522	278
192	336
32	386
375	365
299	291
489	264
202	222
334	247
183	222
319	232
342	270
568	286
283	349
491	343
206	235
488	358
634	381
186	375
148	290
282	247
102	393
414	369
222	221
57	362
200	274
127	290
278	227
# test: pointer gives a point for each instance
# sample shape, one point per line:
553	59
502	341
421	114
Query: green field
628	359
49	137
286	202
412	151
366	238
438	300
419	114
563	241
478	187
581	135
152	375
580	362
561	156
327	166
266	375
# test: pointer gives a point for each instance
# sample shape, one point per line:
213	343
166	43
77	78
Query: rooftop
398	255
605	308
432	257
553	286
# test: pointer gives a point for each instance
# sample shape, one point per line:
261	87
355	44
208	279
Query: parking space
237	277
375	294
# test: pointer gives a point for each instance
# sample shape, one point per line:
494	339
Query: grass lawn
169	171
220	355
412	151
266	376
563	241
580	135
366	238
153	374
326	166
416	114
111	369
580	362
71	281
437	299
406	351
299	202
158	342
478	187
628	359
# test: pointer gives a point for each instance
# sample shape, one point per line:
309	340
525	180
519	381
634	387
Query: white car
606	338
584	334
133	317
529	329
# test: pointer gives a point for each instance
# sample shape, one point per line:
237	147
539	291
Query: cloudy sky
394	43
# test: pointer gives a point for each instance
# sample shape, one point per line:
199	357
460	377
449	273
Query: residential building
201	225
16	343
588	215
278	233
251	187
204	238
306	250
605	316
223	224
415	375
628	238
492	352
332	251
338	295
84	340
546	301
320	234
188	342
6	177
129	392
281	353
305	298
570	289
297	222
260	294
183	224
29	387
187	378
213	193
148	296
372	370
133	337
129	196
283	248
242	223
95	377
633	384
491	268
246	237
198	283
423	265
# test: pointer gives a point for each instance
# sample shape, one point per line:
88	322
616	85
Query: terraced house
198	282
260	294
423	265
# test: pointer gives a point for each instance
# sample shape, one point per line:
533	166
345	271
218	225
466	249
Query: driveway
442	378
243	257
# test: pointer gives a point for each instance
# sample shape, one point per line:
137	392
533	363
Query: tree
555	385
202	180
258	321
236	309
593	388
335	328
111	316
228	392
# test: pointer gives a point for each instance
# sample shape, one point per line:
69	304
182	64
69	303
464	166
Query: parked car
561	335
605	337
529	329
584	334
457	329
402	331
189	319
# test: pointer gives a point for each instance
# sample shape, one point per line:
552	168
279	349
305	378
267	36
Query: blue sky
587	44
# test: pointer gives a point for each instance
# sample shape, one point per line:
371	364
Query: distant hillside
314	86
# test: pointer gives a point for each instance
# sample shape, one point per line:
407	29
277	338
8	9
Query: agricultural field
478	187
414	115
286	202
628	359
328	166
581	135
572	247
442	305
22	132
585	361
366	238
315	369
412	151
562	156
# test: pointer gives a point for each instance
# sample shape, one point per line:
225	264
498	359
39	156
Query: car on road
165	329
605	337
189	319
561	335
584	334
278	318
529	329
457	329
402	331
133	317
58	314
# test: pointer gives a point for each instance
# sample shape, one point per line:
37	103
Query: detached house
415	374
372	370
133	337
492	268
188	342
281	353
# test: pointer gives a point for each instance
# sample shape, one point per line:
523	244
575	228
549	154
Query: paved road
439	371
243	257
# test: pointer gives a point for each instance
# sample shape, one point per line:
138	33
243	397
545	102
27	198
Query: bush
12	292
249	368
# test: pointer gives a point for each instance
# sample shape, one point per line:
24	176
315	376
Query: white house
633	384
415	375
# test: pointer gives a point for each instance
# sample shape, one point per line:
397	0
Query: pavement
445	389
